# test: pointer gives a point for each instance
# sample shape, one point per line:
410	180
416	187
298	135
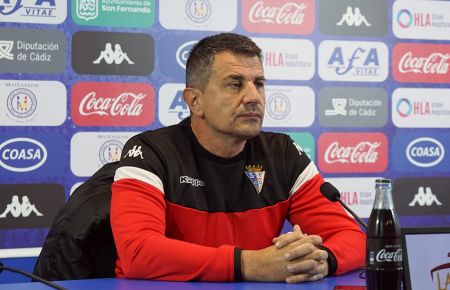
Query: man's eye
235	85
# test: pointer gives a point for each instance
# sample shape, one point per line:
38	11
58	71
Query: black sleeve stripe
237	264
332	261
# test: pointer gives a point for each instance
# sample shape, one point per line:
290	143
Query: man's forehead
227	63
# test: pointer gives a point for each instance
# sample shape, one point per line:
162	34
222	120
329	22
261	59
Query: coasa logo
22	154
425	152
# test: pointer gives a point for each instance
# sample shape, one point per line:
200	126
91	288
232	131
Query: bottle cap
383	181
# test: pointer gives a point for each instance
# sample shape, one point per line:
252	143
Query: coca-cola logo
352	152
426	63
363	152
435	63
112	104
126	104
275	16
288	13
389	256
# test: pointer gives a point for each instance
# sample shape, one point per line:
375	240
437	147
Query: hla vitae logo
33	11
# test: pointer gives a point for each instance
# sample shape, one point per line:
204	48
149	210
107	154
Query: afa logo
425	152
353	61
33	11
361	61
179	107
110	151
22	154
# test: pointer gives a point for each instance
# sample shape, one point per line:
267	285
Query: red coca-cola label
352	152
424	63
112	104
280	17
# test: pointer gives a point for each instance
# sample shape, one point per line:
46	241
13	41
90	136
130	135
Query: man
206	199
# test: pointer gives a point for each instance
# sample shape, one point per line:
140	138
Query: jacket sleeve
341	235
138	225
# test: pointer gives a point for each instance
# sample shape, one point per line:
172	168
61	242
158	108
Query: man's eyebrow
240	77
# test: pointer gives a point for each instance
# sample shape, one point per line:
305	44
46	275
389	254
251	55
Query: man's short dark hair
201	57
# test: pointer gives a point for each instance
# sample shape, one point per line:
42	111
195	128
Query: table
128	284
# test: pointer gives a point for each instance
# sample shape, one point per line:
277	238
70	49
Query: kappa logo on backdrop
421	196
112	53
424	198
17	208
353	17
29	205
113	56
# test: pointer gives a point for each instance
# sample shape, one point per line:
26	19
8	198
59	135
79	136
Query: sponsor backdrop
362	85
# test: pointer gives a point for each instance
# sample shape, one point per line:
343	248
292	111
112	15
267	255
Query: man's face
234	98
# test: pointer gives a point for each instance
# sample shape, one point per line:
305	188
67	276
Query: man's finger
288	238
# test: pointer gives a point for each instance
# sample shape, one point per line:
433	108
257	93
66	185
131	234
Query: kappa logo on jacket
134	152
256	176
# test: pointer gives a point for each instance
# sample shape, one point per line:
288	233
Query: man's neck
222	145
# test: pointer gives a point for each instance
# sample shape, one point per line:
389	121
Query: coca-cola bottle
383	247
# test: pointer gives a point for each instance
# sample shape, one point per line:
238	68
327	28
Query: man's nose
252	94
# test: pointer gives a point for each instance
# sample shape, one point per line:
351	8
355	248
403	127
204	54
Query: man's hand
306	261
294	258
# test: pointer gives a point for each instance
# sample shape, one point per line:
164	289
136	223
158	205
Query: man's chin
247	133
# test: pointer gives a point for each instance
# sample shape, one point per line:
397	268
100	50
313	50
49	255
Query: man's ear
192	98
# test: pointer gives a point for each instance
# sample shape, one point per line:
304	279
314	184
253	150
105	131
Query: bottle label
384	253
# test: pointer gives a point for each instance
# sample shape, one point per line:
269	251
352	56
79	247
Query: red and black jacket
180	213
